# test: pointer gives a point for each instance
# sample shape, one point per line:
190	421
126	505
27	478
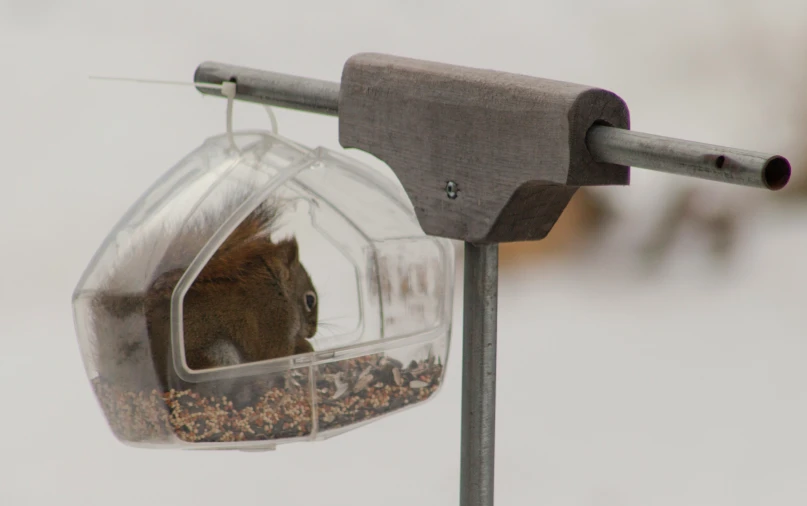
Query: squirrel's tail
122	347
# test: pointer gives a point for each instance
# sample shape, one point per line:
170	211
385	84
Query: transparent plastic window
268	294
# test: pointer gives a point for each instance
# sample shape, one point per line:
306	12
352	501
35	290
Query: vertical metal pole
481	294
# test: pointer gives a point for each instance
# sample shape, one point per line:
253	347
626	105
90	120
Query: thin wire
228	89
156	81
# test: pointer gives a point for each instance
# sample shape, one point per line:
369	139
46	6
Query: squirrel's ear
288	251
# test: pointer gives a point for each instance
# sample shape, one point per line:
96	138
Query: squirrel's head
301	288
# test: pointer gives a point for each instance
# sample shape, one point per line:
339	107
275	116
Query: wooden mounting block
513	146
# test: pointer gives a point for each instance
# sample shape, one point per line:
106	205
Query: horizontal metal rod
686	158
270	88
606	144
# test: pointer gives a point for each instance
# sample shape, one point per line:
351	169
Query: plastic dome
383	293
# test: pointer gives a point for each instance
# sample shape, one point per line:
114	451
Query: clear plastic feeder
383	295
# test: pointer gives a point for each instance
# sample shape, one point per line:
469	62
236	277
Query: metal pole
271	88
481	293
694	159
606	144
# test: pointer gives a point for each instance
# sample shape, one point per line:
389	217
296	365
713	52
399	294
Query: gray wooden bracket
513	146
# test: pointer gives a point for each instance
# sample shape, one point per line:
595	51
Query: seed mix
348	392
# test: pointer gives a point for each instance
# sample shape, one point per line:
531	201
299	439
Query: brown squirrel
252	301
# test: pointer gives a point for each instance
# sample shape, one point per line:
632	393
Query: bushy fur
247	304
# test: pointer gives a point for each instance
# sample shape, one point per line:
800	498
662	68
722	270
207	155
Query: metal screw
451	189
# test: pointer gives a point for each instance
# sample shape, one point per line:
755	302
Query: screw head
451	189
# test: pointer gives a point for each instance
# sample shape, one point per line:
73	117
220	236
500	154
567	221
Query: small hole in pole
776	173
720	161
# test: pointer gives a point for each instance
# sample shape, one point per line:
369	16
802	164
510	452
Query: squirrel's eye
310	300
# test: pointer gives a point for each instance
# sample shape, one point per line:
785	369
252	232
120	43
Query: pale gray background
687	389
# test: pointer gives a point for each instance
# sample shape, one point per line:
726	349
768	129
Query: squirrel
252	301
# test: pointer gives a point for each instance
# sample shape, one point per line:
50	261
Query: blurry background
631	372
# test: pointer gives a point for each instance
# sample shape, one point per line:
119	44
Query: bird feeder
390	284
481	156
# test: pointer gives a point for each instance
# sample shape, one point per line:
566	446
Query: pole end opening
776	173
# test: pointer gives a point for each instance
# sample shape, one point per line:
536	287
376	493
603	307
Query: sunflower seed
340	391
363	383
365	372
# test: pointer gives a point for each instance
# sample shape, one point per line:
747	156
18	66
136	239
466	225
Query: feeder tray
389	284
